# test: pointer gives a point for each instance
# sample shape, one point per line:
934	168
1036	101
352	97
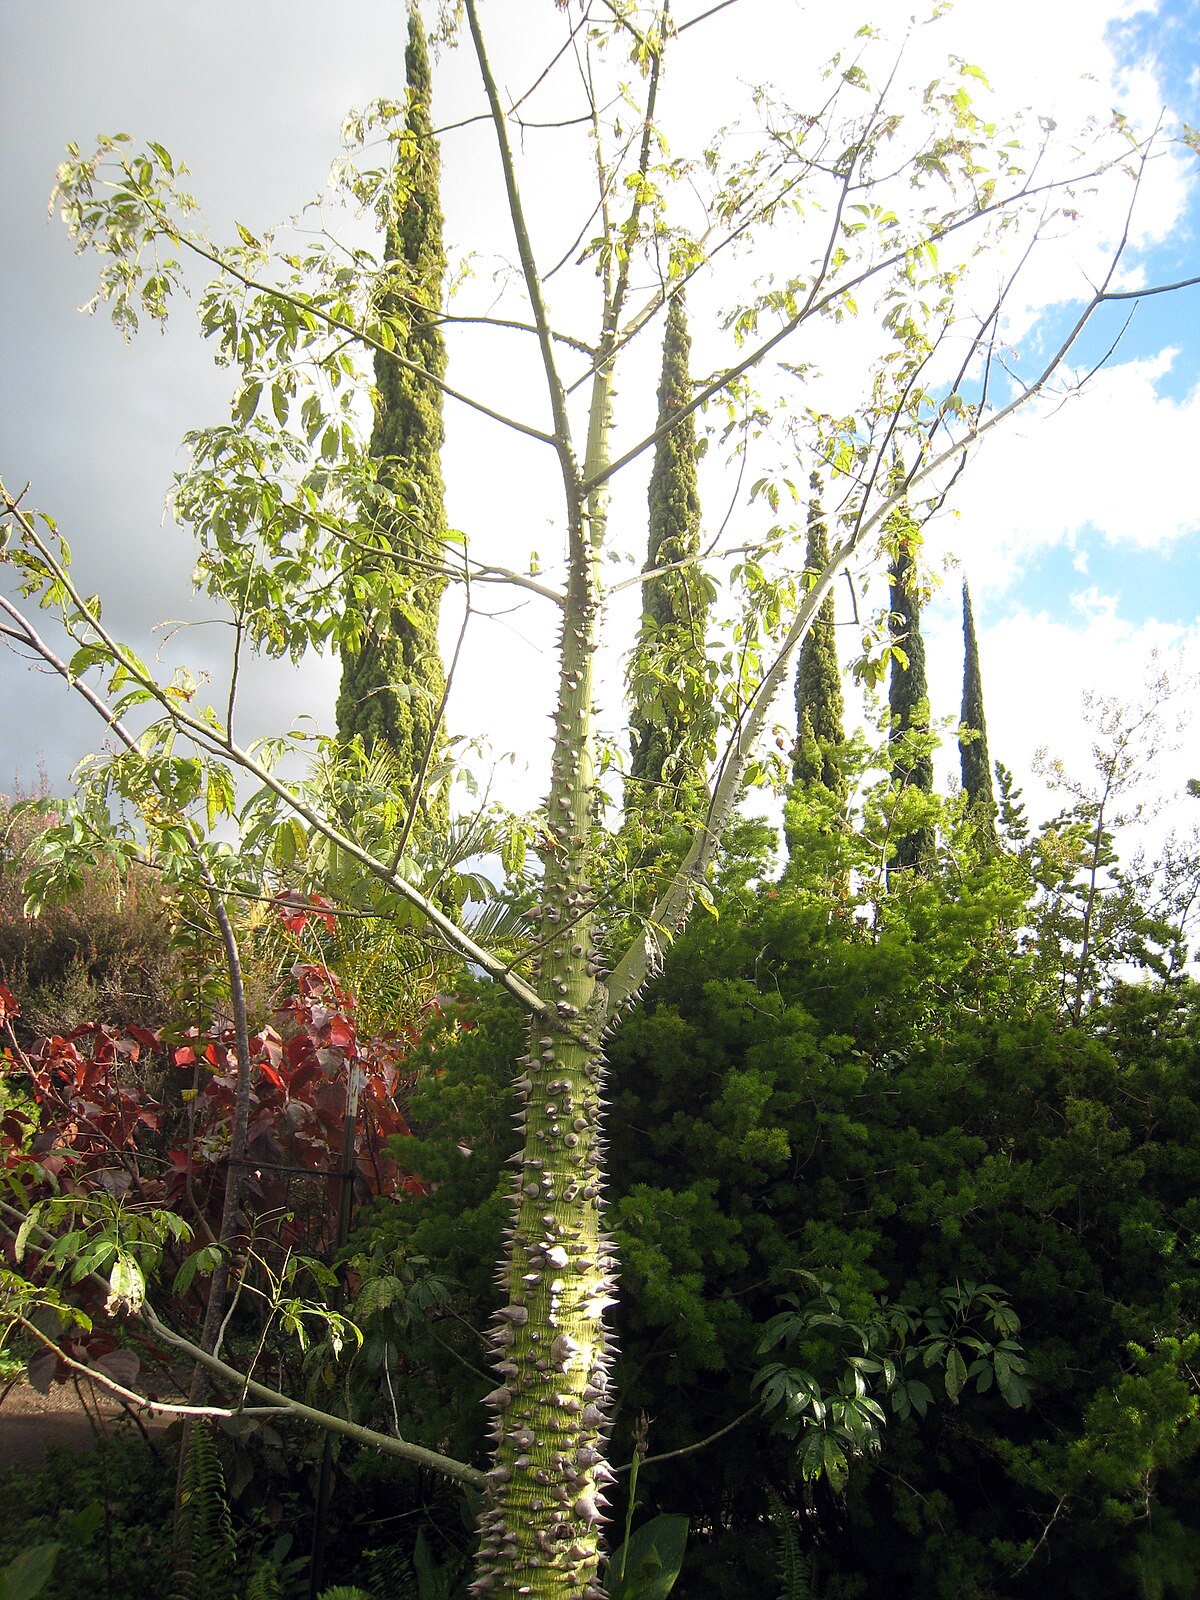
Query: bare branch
239	1381
816	303
1147	294
700	1444
518	327
212	741
692	22
572	33
165	1408
506	575
358	335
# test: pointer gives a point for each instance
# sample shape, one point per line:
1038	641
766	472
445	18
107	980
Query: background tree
1094	909
972	738
672	725
820	706
914	837
393	684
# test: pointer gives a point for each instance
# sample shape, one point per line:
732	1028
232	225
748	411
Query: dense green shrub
894	1103
836	1089
124	1549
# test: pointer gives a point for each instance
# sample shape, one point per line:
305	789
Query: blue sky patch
1157	584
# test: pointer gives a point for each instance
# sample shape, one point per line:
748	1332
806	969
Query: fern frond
390	1573
264	1583
795	1568
205	1544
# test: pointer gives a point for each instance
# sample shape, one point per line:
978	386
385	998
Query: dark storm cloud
252	98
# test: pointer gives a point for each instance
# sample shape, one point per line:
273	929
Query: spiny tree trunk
393	682
972	739
540	1525
544	1505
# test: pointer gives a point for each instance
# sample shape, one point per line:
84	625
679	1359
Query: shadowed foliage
908	691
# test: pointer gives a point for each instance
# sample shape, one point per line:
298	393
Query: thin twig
212	742
690	1449
369	1437
1045	1533
815	304
173	1408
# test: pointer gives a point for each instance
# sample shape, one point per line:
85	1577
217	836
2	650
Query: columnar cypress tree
393	682
908	690
972	738
671	720
819	703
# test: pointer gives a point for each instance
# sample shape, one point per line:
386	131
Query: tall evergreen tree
393	683
972	738
672	723
908	690
819	703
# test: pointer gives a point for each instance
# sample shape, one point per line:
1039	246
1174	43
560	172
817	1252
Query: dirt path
31	1422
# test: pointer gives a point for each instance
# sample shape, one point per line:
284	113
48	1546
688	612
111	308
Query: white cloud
1094	605
1036	670
1115	458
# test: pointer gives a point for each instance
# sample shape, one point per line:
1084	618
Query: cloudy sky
1079	528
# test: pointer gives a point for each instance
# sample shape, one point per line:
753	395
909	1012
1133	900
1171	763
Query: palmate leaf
646	1566
376	1295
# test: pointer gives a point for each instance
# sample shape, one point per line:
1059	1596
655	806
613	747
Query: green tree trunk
972	738
544	1505
393	682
